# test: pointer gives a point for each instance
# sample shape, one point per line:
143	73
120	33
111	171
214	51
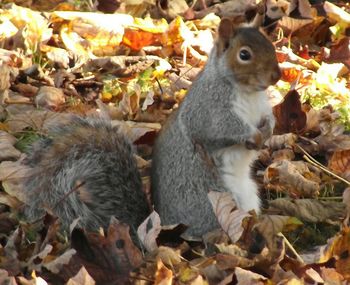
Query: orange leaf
137	39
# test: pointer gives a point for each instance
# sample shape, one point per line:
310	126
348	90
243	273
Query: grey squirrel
210	142
85	169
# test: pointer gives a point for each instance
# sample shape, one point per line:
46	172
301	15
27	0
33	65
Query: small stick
291	248
10	102
315	163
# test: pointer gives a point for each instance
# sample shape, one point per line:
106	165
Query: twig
11	102
291	248
317	164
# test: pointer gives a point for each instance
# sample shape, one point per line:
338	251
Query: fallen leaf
339	248
81	278
289	115
248	277
309	210
149	230
230	218
270	225
331	276
292	177
228	261
6	279
340	163
277	142
107	258
50	97
340	52
56	265
7	150
168	256
12	175
163	275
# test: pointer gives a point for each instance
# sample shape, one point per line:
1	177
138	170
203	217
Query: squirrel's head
248	53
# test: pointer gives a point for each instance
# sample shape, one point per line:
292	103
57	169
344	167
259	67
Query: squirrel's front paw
265	128
255	141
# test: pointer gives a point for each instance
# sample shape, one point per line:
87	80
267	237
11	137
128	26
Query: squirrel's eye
245	54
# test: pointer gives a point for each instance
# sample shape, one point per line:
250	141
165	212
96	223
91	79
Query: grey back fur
85	169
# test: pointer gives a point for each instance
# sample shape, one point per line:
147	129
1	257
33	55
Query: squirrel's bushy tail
85	169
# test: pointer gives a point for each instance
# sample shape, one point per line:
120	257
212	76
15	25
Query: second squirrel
85	170
210	142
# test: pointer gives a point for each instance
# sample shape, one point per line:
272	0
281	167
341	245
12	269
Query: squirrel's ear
225	28
225	32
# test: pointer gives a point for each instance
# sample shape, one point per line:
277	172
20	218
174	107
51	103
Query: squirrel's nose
276	75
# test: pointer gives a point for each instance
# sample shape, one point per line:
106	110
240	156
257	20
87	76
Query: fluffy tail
85	169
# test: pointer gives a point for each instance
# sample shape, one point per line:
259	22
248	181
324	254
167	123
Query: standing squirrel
210	142
85	169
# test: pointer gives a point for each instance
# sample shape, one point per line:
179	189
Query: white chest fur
235	161
251	108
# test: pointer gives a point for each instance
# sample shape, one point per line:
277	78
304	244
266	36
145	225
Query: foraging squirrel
85	169
210	142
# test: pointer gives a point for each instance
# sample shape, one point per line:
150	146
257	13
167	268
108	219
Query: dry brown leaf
6	279
58	56
189	274
33	27
248	277
92	32
331	276
230	218
50	97
292	24
9	253
231	249
7	150
56	265
108	258
339	248
10	201
289	115
81	278
340	163
336	13
313	275
35	263
34	119
163	275
292	177
270	225
346	201
226	261
277	142
309	210
168	255
283	154
302	6
149	230
312	121
12	174
331	143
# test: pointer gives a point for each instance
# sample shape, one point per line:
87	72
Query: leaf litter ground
136	72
